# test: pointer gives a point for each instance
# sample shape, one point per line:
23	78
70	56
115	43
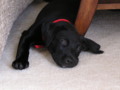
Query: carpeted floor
94	72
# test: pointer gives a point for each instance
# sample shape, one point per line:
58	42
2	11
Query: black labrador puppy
54	29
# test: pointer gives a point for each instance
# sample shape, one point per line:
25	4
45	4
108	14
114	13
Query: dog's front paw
99	52
20	64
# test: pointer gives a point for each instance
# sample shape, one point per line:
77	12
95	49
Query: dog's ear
47	32
50	30
89	45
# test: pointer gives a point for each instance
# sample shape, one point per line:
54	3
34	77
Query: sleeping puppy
54	29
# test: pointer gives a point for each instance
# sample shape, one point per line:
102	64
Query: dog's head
65	44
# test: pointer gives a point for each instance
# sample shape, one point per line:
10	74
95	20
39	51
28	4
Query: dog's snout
68	60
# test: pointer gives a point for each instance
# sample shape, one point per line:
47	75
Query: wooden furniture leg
85	15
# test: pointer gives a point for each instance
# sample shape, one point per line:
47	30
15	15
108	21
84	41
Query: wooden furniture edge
108	6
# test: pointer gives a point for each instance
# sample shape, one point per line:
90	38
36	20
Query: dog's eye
78	49
63	42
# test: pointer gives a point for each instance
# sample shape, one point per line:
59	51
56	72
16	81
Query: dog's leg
89	45
21	61
28	38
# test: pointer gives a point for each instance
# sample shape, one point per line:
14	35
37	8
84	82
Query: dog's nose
69	62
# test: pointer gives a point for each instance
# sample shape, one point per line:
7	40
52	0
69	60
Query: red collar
55	21
38	46
61	20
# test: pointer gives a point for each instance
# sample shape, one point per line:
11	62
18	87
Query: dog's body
60	38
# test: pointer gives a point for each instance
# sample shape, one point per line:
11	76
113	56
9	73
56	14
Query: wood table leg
85	15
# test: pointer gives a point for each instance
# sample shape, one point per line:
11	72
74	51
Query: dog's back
38	1
59	9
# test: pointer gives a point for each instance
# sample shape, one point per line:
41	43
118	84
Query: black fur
61	39
38	1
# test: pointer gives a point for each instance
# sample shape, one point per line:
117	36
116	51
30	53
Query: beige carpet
94	72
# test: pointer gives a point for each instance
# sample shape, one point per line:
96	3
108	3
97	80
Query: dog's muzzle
69	62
